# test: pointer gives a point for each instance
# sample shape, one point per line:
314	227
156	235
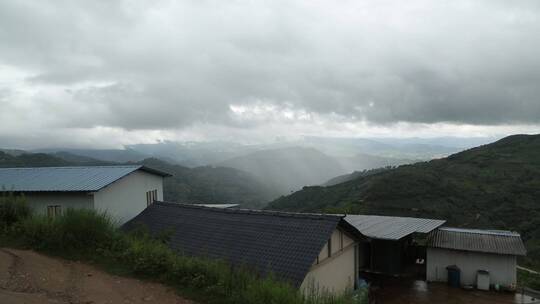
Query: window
341	240
54	211
151	196
330	247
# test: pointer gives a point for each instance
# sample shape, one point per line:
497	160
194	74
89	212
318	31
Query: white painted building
121	191
334	270
473	250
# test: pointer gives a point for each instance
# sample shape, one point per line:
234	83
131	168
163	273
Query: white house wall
335	273
502	268
39	201
126	197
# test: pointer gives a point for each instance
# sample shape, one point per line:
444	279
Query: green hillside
31	159
491	186
208	184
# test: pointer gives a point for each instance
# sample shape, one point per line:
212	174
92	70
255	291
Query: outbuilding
390	247
314	252
490	254
121	191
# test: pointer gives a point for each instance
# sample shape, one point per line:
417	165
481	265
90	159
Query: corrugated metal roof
391	227
65	178
490	241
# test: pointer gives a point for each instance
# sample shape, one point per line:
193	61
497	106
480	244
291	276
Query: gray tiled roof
391	227
284	244
489	241
65	178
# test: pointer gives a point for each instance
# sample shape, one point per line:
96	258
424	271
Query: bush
78	232
527	279
13	209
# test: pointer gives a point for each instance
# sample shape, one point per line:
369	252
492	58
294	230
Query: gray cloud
169	65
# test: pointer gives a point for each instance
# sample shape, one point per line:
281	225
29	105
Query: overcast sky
108	73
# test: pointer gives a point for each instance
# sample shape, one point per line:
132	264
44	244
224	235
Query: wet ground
394	291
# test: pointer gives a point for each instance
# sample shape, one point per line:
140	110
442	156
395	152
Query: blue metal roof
61	179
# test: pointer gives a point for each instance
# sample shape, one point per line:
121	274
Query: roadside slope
27	277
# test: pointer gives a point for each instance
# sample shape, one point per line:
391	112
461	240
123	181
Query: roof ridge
481	231
255	211
76	167
394	217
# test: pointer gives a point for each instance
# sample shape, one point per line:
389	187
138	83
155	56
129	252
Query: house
313	252
473	250
121	191
390	246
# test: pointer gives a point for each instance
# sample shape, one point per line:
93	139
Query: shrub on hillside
80	231
13	208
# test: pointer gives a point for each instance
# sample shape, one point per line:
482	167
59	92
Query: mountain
366	162
289	169
108	155
356	174
31	159
407	148
207	184
491	186
193	154
190	185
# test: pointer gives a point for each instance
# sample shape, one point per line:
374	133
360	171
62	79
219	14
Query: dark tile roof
285	244
66	179
488	241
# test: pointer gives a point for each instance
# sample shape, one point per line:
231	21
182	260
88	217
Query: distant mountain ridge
492	186
291	168
108	155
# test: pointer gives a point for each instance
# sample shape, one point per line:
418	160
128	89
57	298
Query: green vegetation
210	184
494	186
30	159
92	237
527	279
12	209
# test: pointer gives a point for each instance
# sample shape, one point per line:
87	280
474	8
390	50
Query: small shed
390	248
474	251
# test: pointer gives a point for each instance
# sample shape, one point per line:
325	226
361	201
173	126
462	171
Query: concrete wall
502	268
335	273
126	197
39	201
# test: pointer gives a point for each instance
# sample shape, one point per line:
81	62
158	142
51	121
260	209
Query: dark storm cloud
166	65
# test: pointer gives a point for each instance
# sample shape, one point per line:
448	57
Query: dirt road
27	277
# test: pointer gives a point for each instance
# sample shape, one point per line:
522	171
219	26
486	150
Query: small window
341	240
54	211
151	196
329	247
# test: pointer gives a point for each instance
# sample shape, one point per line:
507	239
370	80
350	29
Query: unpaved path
27	277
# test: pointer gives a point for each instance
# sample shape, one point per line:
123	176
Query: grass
92	237
527	279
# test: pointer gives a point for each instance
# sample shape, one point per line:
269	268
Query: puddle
395	291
